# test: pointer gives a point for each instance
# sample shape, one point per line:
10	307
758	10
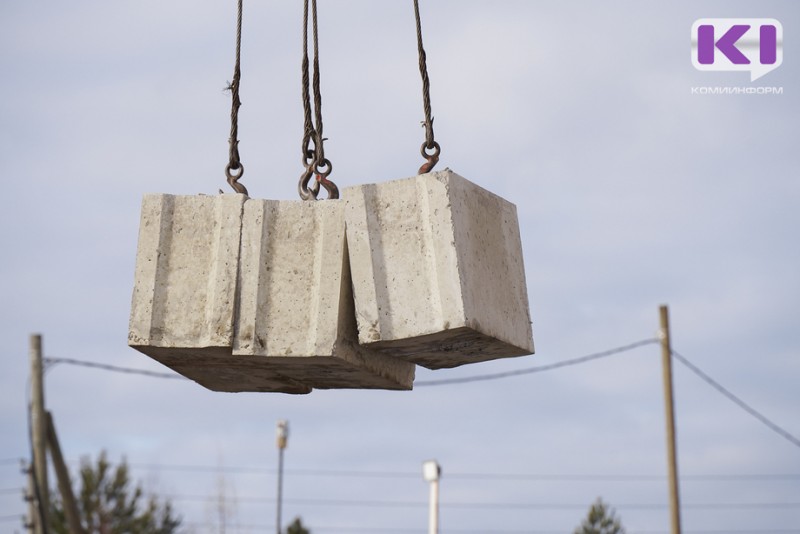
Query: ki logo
754	45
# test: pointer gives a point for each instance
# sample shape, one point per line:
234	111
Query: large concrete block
296	307
185	292
437	270
186	267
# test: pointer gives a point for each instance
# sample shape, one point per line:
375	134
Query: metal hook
330	187
432	159
305	192
233	179
322	179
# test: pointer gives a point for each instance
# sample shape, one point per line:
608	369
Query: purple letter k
726	44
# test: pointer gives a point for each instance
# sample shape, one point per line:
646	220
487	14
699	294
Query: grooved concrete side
437	268
296	311
185	285
185	292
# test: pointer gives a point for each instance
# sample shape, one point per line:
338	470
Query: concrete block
296	307
437	271
186	267
185	292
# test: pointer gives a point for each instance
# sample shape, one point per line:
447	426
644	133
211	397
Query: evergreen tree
108	504
600	520
297	527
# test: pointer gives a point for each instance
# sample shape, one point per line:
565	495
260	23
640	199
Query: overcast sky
632	192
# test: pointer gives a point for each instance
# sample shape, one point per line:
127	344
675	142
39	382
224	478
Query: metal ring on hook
434	146
324	164
233	179
432	158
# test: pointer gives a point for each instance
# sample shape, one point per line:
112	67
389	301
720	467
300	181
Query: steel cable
234	170
430	143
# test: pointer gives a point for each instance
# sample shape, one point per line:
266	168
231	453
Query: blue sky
632	192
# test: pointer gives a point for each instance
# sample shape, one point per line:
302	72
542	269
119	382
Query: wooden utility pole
672	463
39	432
64	482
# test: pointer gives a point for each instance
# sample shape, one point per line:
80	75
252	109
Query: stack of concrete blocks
251	295
241	294
185	292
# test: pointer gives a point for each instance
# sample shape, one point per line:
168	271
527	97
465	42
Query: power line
736	400
528	531
729	531
495	376
557	365
11	462
601	477
537	369
415	530
623	478
272	471
114	368
473	505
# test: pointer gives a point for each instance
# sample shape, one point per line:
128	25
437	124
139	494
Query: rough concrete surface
218	370
185	292
251	295
296	311
241	294
437	269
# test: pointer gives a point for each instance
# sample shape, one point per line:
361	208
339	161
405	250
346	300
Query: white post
282	437
431	471
433	514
